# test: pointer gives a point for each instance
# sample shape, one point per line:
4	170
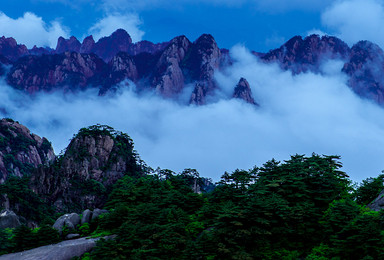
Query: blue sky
259	24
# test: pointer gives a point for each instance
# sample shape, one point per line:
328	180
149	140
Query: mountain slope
168	68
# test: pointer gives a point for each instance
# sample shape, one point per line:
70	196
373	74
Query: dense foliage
301	208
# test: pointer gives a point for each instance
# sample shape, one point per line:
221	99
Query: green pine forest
301	208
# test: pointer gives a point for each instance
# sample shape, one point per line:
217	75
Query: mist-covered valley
304	114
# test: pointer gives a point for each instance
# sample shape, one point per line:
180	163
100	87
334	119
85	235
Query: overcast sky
258	24
298	114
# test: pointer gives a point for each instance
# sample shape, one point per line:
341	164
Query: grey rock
8	219
69	220
72	236
98	212
198	95
62	251
87	215
243	91
378	203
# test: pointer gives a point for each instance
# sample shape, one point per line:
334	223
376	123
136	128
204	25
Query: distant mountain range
169	67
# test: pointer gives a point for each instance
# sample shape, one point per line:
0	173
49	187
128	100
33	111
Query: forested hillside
301	208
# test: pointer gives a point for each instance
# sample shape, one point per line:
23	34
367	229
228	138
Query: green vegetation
302	208
24	201
24	238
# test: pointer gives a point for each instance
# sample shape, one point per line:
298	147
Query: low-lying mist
298	114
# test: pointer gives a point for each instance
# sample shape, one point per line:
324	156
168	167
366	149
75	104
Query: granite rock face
94	160
68	220
8	219
243	91
301	55
66	71
87	216
365	70
167	68
65	250
168	76
378	203
21	151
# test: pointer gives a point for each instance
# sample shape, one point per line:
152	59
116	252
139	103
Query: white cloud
32	30
109	24
316	31
298	114
265	5
355	20
289	5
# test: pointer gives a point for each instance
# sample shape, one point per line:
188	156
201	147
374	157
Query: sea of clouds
300	114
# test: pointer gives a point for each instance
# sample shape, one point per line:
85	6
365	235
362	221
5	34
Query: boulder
72	236
8	219
61	251
98	212
87	215
68	220
378	203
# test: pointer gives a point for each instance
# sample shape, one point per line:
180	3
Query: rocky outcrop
301	55
21	151
8	219
122	66
94	160
243	91
107	47
97	212
71	45
168	76
67	71
201	62
168	67
378	203
11	50
88	45
65	250
146	47
198	95
165	67
86	216
365	70
68	220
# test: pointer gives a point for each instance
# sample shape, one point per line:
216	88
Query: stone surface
72	236
8	219
67	71
91	164
86	218
198	95
170	66
65	250
98	212
243	91
378	203
20	150
68	220
301	55
365	70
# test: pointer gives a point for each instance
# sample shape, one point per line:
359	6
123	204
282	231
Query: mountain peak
243	91
122	35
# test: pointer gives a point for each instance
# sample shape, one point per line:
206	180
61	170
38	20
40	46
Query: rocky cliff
243	91
82	177
21	152
301	55
167	68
